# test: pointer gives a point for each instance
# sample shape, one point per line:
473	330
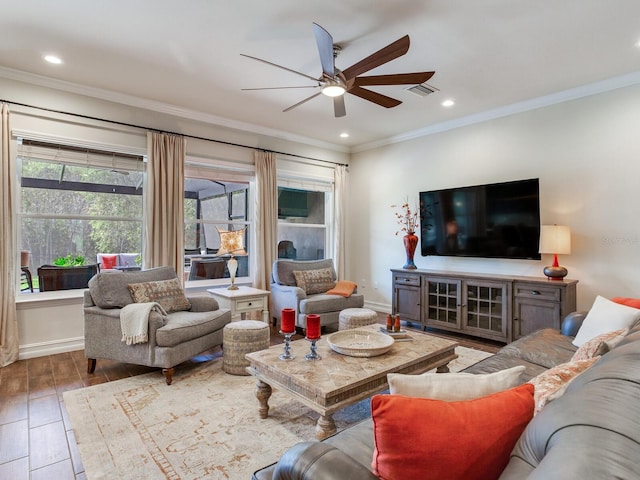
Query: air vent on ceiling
422	89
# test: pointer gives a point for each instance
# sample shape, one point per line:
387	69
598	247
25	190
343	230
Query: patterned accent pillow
551	384
315	281
596	345
168	293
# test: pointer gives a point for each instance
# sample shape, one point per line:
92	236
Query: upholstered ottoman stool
240	338
356	317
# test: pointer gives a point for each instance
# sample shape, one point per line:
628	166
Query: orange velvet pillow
431	439
629	302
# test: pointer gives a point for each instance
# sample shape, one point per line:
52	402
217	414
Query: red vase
410	243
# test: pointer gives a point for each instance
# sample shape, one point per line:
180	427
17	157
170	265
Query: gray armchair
286	294
172	338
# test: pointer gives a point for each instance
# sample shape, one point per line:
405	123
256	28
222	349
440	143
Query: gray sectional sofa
592	431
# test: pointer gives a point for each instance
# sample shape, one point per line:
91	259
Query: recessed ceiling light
448	103
344	135
53	59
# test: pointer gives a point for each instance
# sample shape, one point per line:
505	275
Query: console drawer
250	304
407	280
535	290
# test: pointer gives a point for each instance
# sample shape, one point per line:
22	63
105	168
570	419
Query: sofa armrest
203	303
572	323
319	461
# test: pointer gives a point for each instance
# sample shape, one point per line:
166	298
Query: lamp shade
555	239
231	242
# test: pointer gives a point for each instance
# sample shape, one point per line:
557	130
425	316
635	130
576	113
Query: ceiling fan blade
394	79
278	88
280	66
324	40
382	56
374	97
338	106
301	102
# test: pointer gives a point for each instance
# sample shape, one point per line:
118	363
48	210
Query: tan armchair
172	338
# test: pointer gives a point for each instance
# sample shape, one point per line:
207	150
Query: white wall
586	154
52	322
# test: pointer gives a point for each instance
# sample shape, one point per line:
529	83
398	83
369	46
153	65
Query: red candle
313	326
288	320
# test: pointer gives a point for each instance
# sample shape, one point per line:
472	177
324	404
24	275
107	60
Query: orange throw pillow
109	262
431	439
629	302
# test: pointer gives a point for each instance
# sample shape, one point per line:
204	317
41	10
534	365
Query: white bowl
360	343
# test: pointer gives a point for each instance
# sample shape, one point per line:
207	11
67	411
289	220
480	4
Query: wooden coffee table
337	381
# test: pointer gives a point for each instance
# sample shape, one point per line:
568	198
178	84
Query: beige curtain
8	249
164	202
340	188
266	217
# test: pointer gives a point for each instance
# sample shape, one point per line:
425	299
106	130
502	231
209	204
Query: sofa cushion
452	440
551	384
110	289
315	281
605	316
168	293
546	347
454	387
322	303
183	326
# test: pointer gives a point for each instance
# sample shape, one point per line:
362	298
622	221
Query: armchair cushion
323	303
183	326
315	281
109	289
168	293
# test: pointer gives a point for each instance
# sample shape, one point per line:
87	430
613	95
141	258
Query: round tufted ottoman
240	338
356	317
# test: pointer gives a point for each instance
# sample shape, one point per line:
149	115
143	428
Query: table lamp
231	241
555	239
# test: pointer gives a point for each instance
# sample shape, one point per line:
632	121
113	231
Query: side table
243	300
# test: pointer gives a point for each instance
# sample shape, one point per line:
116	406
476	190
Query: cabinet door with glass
485	307
442	302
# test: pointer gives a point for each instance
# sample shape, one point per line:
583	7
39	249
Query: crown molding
596	88
165	108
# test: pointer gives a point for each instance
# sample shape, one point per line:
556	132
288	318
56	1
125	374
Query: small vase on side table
410	241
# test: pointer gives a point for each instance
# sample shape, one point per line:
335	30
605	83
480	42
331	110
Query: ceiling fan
335	82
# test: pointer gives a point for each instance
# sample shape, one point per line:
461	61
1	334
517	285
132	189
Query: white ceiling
489	56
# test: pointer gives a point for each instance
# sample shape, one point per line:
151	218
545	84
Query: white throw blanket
134	321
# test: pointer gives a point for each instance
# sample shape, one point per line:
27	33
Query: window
77	202
303	222
212	206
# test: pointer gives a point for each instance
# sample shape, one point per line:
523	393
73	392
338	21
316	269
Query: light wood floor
36	439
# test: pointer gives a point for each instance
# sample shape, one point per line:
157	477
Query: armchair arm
285	296
572	323
203	303
319	461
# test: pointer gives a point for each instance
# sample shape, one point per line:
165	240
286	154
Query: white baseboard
42	349
378	307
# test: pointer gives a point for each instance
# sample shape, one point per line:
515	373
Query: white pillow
605	316
454	387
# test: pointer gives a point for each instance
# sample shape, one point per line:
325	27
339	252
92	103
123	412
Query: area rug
203	426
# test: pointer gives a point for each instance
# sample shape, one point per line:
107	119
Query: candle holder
286	354
313	353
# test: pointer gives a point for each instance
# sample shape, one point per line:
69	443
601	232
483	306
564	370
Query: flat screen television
498	220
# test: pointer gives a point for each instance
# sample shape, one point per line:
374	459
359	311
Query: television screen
500	220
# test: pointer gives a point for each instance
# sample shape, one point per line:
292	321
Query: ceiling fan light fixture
333	89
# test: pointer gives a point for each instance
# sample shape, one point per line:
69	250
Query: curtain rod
115	122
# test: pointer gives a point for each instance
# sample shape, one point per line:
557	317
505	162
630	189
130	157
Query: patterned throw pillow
551	384
315	281
596	345
168	293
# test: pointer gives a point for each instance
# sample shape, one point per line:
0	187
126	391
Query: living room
580	142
